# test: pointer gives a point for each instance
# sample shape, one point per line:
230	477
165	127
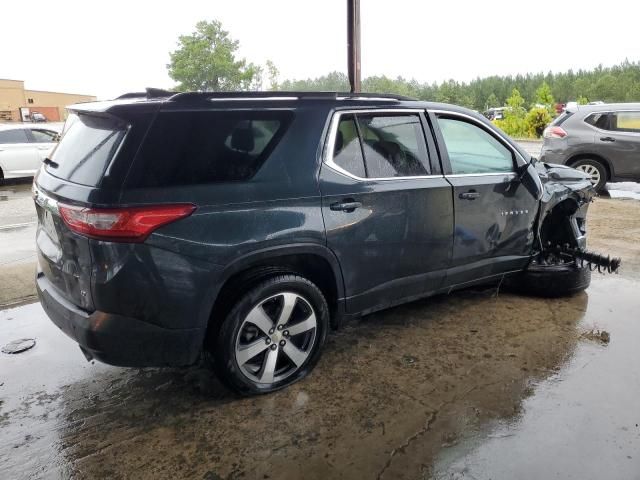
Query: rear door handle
471	195
347	206
607	139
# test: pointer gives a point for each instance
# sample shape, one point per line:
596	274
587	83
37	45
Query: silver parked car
601	140
23	147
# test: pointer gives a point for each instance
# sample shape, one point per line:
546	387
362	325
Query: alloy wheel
276	338
591	171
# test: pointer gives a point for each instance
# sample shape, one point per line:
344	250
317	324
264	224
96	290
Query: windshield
87	146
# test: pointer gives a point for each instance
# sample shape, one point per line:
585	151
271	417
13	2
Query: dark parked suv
601	140
242	226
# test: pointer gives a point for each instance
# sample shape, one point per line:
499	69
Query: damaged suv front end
560	261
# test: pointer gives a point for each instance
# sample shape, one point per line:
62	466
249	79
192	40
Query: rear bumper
119	340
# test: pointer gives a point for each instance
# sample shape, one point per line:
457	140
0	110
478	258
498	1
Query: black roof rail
186	96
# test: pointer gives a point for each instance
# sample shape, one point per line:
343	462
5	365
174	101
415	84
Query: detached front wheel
551	280
272	337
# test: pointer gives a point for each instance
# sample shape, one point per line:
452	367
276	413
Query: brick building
16	102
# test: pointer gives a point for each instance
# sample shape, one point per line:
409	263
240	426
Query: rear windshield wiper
51	163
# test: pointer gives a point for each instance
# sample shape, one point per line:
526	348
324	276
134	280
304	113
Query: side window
43	136
599	120
626	122
347	153
394	145
17	135
473	150
195	148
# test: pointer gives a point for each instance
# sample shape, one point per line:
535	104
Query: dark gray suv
240	227
601	140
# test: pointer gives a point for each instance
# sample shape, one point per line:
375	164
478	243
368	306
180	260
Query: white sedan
23	147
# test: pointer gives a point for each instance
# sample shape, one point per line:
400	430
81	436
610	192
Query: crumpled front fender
571	188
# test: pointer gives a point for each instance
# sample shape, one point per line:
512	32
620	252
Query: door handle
346	206
470	195
607	139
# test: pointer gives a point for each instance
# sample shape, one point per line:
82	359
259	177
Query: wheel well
313	267
556	227
587	156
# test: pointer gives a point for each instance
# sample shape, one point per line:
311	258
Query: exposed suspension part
583	258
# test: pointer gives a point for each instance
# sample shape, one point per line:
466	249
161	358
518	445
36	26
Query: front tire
551	281
596	171
272	337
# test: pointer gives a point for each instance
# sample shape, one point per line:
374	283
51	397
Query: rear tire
272	336
596	171
550	281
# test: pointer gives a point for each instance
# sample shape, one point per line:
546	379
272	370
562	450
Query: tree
514	122
273	74
206	61
492	101
544	96
515	104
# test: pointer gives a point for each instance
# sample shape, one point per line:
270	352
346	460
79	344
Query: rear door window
189	148
599	120
86	149
394	145
17	135
347	153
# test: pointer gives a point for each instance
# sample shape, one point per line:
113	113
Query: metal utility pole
353	43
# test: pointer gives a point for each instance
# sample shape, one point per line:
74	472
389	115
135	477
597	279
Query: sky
108	48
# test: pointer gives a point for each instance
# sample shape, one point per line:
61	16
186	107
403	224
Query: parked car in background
495	113
23	147
602	140
37	117
241	225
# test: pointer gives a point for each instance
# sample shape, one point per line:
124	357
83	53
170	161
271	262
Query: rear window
189	148
86	149
560	119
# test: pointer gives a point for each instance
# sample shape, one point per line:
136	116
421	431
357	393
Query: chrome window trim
491	174
331	141
504	140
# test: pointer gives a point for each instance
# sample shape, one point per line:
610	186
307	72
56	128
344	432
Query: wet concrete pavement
17	243
480	384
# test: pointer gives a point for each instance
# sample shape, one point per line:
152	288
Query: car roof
54	126
605	107
267	99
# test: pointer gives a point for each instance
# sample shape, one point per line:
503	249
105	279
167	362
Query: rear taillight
133	224
554	132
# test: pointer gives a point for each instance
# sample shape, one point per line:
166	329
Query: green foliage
492	101
544	95
272	73
332	82
537	120
620	83
206	61
514	122
582	100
